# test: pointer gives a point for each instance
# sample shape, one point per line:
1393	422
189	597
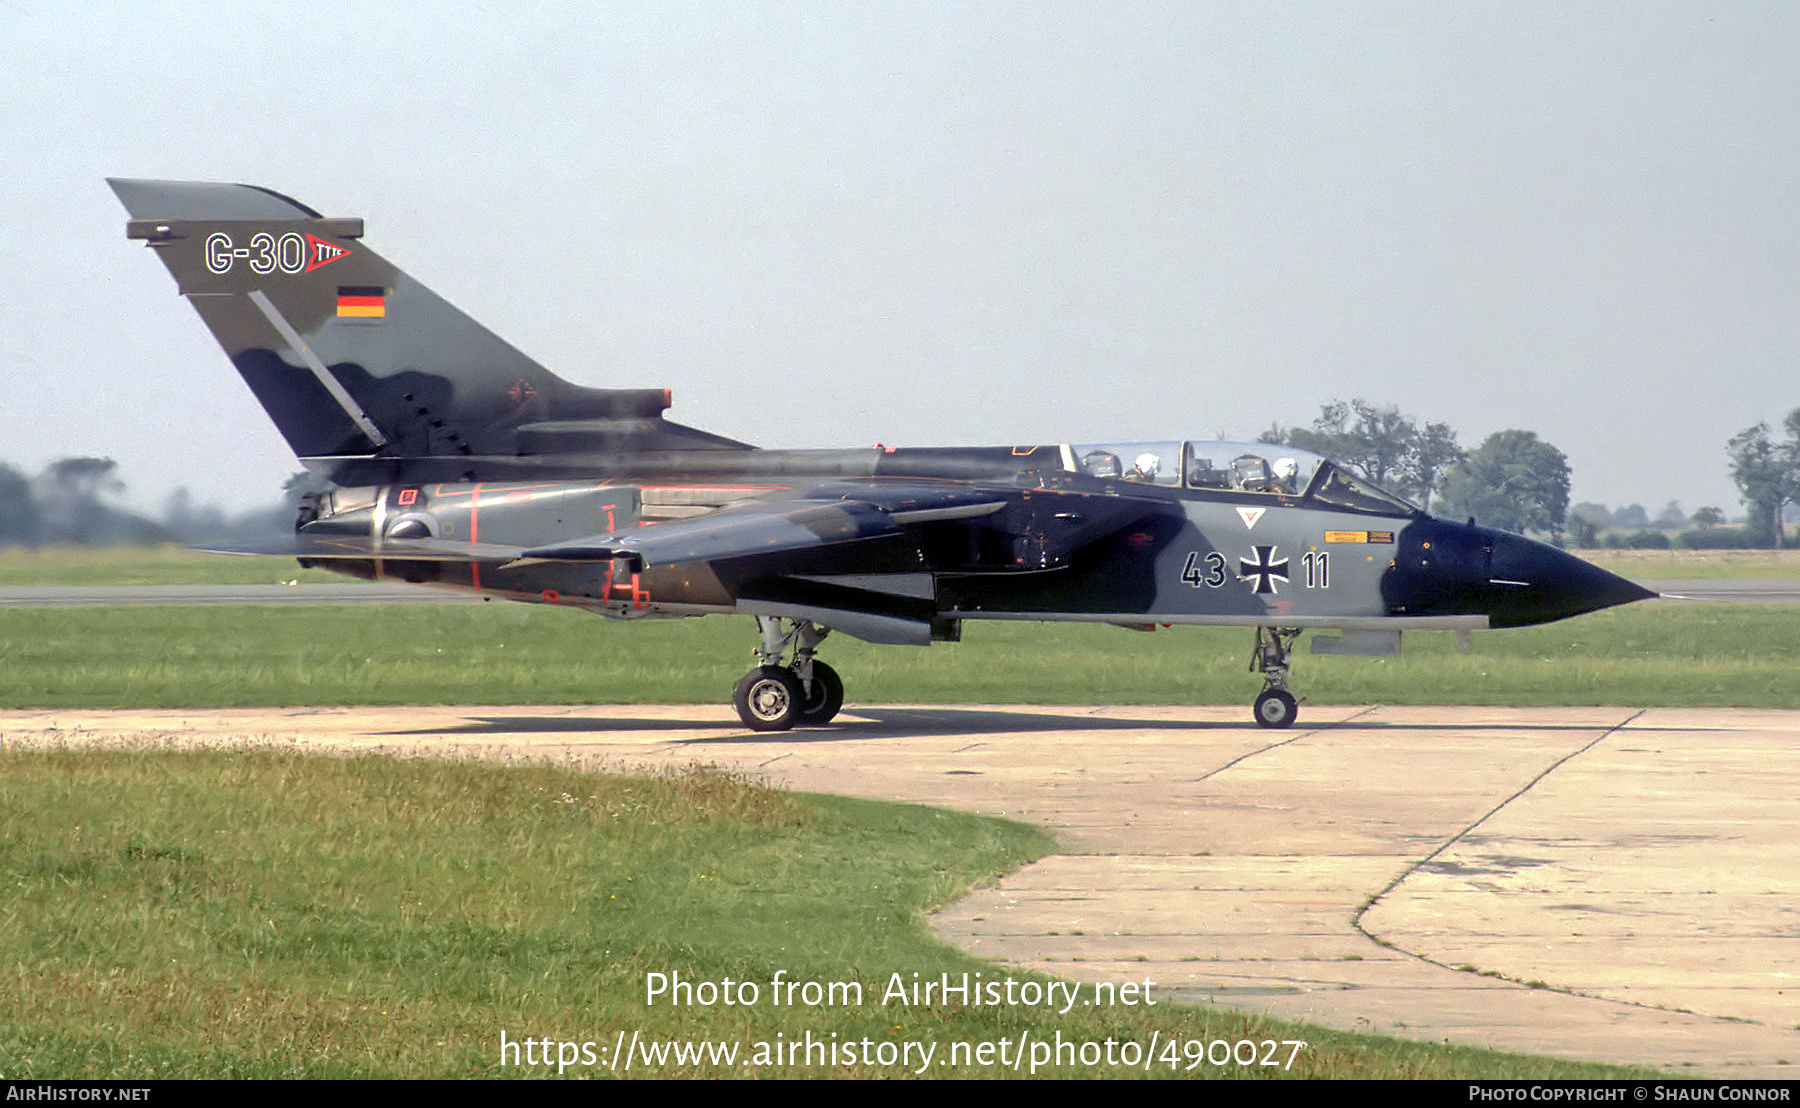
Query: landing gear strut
806	692
1275	706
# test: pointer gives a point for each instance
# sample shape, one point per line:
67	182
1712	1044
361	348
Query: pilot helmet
1147	464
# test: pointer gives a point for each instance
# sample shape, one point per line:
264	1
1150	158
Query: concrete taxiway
1600	883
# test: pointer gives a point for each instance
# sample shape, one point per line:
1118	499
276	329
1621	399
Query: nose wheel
803	693
1275	706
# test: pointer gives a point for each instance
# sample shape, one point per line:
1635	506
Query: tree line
1518	482
1514	480
73	501
1767	472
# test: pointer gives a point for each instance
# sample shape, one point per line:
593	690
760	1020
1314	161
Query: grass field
1702	654
265	915
145	565
1677	564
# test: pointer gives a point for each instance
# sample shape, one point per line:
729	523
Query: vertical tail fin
367	373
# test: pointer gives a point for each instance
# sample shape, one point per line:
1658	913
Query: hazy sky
933	224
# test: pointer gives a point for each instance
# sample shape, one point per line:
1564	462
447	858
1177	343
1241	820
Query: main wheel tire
821	704
768	699
1276	708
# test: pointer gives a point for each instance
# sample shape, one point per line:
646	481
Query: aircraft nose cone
1443	568
1531	582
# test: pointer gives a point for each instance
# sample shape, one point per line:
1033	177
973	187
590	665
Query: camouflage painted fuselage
465	464
1030	539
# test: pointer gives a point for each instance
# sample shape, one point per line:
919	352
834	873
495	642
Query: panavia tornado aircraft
463	463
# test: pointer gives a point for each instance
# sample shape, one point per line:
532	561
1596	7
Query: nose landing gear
804	693
1275	706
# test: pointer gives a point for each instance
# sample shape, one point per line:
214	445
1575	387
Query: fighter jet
464	464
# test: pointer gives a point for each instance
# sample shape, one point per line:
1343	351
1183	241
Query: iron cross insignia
1264	568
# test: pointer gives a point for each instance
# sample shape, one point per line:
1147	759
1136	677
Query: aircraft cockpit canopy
1237	467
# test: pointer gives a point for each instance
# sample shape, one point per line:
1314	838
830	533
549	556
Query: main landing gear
1275	706
804	693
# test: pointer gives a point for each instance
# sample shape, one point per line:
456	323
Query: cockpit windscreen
1238	467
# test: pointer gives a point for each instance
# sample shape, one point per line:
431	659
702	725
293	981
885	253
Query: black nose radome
1456	569
1535	583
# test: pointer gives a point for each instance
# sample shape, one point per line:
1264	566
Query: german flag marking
360	302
